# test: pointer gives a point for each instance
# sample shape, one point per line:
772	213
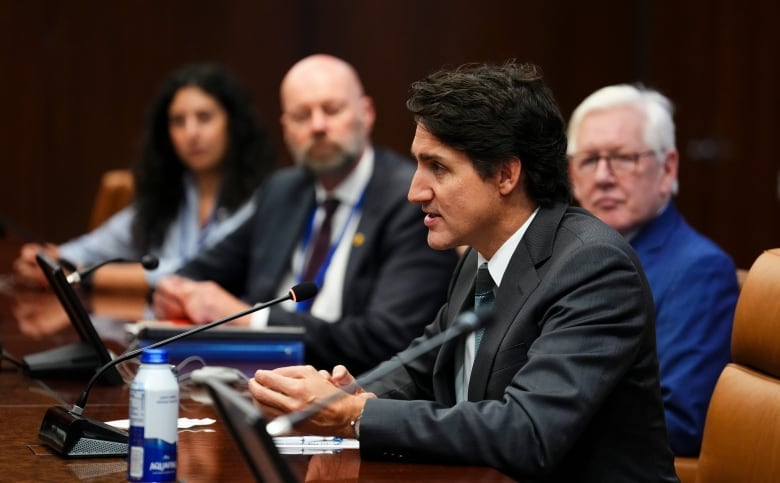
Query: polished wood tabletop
32	321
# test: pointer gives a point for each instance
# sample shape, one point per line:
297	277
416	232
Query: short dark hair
493	113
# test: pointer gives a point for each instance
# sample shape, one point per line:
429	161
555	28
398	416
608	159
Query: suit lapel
296	212
371	216
460	300
519	281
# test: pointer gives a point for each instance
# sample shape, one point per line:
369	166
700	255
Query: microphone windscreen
150	262
485	315
471	321
303	291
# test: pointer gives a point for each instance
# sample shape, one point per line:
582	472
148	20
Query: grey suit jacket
565	383
394	282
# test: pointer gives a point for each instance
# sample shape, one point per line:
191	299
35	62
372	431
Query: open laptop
246	425
78	359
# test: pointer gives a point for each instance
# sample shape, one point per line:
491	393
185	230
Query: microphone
70	434
83	357
149	262
465	323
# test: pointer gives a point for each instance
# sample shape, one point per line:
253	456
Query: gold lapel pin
358	239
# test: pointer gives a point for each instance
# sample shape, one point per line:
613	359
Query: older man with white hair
623	164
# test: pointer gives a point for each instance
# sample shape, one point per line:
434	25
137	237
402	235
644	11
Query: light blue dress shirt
184	238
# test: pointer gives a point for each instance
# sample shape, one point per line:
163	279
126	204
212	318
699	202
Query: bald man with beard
380	283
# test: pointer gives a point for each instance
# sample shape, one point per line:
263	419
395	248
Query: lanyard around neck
201	233
307	238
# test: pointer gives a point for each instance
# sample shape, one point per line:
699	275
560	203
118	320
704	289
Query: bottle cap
154	356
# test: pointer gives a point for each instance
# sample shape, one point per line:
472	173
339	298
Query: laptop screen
246	425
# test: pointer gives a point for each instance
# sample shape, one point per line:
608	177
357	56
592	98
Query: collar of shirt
500	261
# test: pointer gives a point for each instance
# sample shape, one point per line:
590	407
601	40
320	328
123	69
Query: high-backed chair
114	193
741	276
741	441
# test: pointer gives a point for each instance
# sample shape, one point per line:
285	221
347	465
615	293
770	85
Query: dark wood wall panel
719	62
77	77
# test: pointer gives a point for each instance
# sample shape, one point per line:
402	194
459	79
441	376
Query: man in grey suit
562	385
380	283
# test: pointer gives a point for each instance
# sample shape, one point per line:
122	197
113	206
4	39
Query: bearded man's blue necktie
483	297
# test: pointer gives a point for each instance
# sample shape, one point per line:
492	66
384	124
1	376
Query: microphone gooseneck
149	262
465	323
25	233
71	434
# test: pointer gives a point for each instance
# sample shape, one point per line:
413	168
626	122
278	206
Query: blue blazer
695	290
394	283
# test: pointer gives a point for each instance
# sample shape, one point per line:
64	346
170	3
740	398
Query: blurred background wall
76	77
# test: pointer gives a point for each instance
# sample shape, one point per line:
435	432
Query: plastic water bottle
154	415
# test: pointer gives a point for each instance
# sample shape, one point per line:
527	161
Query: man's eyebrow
424	156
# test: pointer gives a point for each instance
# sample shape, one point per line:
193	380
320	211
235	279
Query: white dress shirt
327	305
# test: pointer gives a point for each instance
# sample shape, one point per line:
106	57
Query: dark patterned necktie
321	243
483	297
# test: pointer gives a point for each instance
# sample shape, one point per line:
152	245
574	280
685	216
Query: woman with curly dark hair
204	154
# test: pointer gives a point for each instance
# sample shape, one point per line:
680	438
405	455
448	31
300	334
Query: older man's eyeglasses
618	163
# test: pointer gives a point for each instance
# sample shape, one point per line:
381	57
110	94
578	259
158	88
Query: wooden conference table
32	321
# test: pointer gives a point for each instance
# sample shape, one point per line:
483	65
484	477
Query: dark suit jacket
394	282
565	382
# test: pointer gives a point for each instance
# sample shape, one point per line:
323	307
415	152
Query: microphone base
77	360
74	436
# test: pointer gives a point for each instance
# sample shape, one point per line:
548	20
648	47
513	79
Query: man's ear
670	166
509	175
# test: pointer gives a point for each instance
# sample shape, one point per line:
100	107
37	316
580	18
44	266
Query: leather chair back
741	441
114	193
